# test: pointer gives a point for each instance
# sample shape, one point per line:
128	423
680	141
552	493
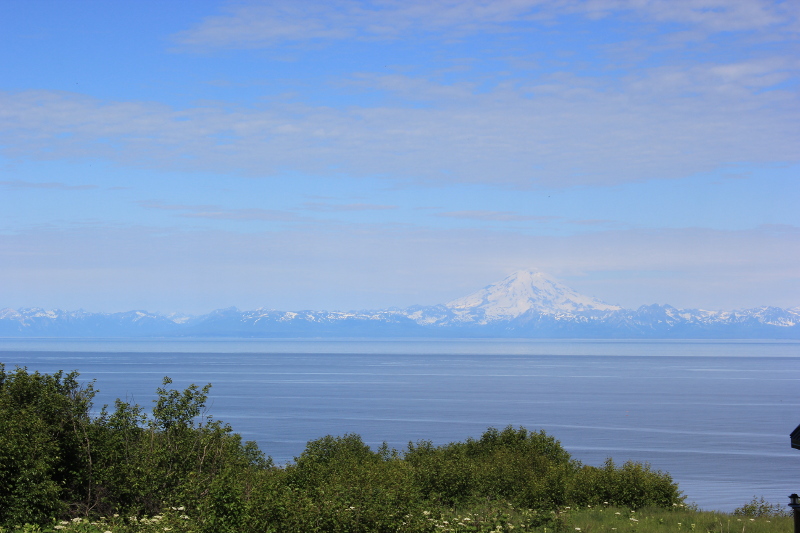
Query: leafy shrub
45	455
340	484
633	485
528	469
170	460
759	507
58	461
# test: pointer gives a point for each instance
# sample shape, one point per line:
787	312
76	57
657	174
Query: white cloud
669	119
16	185
563	130
326	207
215	212
263	24
495	216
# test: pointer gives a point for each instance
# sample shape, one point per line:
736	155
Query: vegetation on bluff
63	468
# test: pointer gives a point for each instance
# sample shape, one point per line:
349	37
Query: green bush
759	507
45	453
634	485
528	469
145	464
57	461
345	486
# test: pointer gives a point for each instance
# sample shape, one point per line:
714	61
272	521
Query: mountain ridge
525	304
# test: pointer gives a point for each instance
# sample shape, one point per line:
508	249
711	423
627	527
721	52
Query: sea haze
715	414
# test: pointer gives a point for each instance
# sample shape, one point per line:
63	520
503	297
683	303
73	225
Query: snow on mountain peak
523	291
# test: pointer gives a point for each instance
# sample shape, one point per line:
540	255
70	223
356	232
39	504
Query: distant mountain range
524	305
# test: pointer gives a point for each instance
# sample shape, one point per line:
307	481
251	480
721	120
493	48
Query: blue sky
187	156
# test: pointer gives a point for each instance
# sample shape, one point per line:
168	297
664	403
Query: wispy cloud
21	185
217	213
496	216
558	127
602	223
561	131
269	215
332	208
260	25
154	204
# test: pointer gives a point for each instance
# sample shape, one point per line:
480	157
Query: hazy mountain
521	293
525	304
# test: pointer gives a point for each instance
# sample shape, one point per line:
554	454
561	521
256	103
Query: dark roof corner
795	435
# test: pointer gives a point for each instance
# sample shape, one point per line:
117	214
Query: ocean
716	415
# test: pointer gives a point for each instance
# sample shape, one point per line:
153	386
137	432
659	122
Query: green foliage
56	461
528	469
759	507
634	485
145	464
179	470
176	410
340	484
45	454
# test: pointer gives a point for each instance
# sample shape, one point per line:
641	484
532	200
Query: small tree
175	409
45	450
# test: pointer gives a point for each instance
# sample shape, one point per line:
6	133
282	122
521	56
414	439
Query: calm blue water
716	415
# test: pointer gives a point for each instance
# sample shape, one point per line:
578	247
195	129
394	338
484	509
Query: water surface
716	415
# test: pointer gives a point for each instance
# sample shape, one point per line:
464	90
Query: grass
677	520
592	519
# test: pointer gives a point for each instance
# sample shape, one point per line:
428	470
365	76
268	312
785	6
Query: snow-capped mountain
37	322
525	304
522	292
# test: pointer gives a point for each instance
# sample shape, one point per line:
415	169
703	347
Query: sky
341	155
